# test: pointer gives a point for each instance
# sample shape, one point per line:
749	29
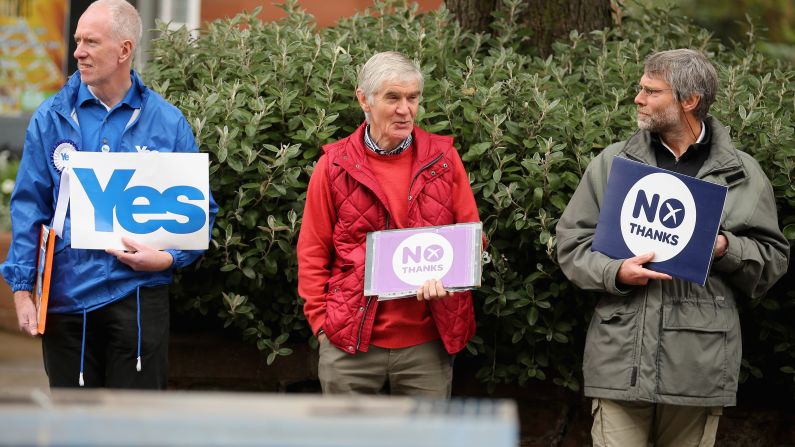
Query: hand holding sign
633	273
141	257
432	289
721	245
160	199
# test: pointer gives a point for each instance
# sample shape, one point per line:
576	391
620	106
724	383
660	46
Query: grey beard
660	122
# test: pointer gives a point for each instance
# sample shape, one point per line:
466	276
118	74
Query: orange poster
32	52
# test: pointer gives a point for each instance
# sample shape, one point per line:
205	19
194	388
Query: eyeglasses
651	92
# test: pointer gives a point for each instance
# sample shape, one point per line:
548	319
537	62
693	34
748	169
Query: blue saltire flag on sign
676	216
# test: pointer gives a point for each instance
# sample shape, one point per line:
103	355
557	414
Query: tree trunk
553	20
548	20
473	15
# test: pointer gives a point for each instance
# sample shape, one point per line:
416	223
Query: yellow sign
32	53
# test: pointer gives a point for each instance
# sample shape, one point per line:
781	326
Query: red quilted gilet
361	208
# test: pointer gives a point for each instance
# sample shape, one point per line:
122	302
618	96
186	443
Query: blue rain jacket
84	280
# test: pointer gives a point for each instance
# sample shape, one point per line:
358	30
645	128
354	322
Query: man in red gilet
388	174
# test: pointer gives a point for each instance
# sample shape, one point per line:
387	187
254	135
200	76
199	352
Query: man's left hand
141	257
432	289
721	245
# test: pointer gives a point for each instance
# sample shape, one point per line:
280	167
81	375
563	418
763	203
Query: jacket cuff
610	274
21	286
18	276
731	261
177	258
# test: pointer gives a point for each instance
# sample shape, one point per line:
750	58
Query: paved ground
21	367
549	417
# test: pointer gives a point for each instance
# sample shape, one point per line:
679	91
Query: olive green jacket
673	342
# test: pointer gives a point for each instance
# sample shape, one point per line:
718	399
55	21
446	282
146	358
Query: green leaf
282	338
532	316
789	232
770	304
543	237
559	202
476	150
538	195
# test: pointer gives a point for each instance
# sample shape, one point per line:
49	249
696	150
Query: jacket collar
723	156
353	147
131	99
64	101
350	154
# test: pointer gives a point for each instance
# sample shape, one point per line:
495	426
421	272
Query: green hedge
9	164
264	97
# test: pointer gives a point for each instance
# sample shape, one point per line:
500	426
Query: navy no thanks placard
676	216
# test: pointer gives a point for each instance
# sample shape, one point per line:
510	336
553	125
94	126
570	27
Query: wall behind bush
264	97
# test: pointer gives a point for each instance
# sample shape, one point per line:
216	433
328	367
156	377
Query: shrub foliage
264	97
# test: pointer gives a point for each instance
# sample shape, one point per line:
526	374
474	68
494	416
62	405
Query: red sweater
398	323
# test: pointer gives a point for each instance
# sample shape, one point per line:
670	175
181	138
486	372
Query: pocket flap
700	316
610	308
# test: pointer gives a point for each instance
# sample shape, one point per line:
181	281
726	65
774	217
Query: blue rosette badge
61	152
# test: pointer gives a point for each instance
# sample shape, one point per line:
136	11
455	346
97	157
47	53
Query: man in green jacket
662	355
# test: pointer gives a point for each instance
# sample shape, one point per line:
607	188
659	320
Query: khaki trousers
421	370
640	424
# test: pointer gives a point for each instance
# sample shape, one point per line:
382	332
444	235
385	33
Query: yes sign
160	199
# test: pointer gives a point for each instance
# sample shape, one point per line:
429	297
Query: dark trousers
111	344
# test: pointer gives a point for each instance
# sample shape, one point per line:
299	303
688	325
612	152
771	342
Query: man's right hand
632	272
26	312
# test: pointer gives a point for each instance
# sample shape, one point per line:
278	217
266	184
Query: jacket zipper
638	349
370	298
366	306
361	323
439	157
635	367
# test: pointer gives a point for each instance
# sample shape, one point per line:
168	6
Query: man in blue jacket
108	318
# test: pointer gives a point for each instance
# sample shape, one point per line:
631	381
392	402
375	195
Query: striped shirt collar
368	141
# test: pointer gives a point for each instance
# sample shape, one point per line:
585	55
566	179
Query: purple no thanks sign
399	261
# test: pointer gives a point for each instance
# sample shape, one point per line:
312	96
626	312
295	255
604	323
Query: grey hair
384	67
689	74
125	20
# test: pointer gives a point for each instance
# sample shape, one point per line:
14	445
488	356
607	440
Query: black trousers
111	344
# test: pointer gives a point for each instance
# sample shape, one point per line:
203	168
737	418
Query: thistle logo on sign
657	219
421	257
